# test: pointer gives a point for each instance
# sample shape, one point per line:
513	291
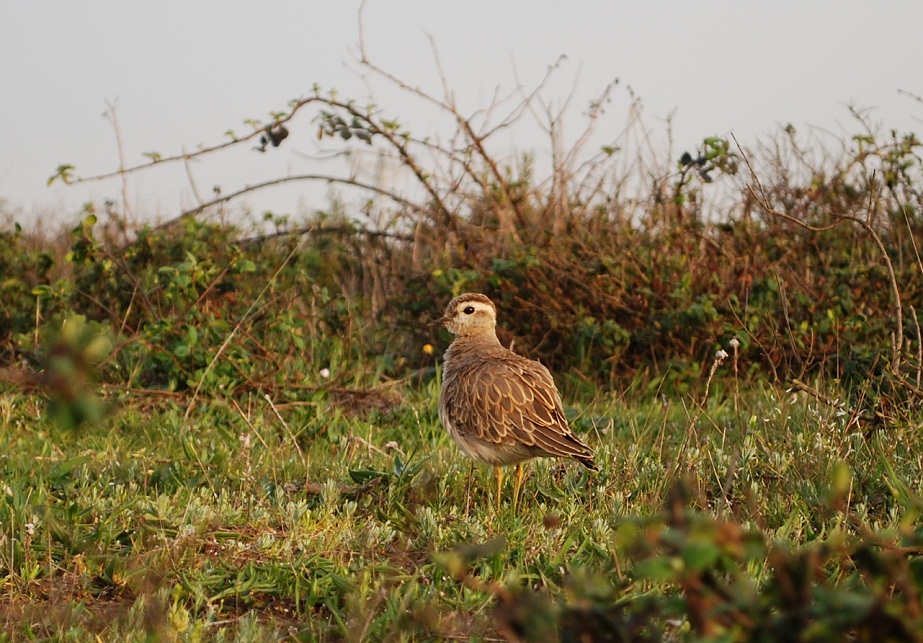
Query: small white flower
734	342
393	445
720	354
325	373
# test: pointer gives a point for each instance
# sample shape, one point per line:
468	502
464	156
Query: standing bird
501	408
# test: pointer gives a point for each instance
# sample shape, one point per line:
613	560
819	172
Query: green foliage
64	173
606	300
25	270
195	308
836	587
69	362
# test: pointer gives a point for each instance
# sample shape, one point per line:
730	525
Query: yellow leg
468	488
499	473
517	485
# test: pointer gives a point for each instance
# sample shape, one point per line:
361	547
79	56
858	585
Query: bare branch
192	184
331	230
184	156
304	177
113	118
897	337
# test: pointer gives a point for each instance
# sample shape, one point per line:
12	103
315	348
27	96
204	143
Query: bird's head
469	315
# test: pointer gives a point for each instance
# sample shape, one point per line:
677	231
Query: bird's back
503	408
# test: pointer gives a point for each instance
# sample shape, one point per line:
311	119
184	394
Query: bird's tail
588	462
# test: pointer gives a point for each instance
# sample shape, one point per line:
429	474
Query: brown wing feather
509	400
551	430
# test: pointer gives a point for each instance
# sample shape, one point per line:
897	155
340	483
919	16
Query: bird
500	408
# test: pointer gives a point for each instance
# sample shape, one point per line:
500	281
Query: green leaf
63	469
361	476
660	568
43	291
698	556
64	173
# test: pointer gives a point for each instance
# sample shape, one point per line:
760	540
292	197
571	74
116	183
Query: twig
332	230
916	390
897	337
184	156
720	356
916	325
227	340
114	120
915	97
290	435
475	141
192	184
303	177
813	392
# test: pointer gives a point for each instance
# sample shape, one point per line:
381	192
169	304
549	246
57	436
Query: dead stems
866	223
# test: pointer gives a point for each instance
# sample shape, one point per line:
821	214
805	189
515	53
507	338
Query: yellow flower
428	349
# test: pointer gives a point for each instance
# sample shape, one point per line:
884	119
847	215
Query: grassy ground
355	517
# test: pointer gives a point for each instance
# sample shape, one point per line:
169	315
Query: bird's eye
468	310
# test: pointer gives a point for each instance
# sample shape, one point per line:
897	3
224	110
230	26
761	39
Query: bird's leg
499	473
517	485
468	488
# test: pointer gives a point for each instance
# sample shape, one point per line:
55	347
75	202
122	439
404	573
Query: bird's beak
438	322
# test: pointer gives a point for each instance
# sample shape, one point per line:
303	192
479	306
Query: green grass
322	521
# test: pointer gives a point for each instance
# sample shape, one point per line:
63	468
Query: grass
322	521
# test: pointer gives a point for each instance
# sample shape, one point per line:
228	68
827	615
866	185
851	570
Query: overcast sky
182	73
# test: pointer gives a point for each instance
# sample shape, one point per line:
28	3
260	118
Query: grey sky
185	72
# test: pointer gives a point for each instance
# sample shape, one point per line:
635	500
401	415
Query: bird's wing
510	400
